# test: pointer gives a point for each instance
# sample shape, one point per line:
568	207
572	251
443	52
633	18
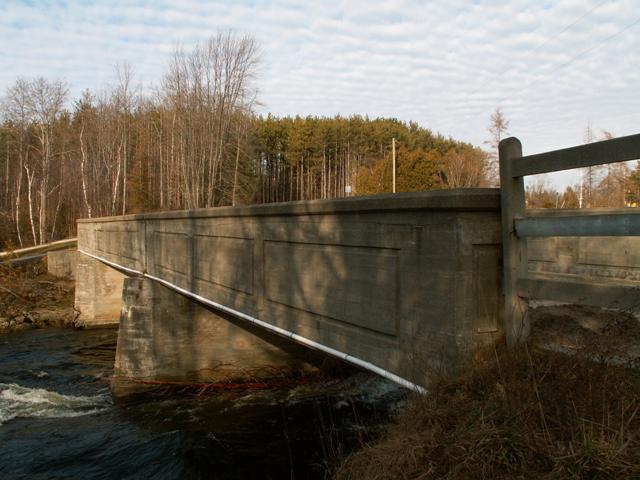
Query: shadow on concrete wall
392	280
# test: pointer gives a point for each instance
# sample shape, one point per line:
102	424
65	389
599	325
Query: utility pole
393	145
581	187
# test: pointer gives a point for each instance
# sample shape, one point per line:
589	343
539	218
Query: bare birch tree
44	106
17	120
207	90
38	103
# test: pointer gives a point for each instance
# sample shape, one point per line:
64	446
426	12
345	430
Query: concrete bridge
398	284
394	283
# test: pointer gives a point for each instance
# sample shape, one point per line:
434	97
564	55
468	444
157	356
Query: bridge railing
518	224
37	251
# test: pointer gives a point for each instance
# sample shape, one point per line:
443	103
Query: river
58	419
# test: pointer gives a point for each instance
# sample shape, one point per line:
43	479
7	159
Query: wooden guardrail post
514	252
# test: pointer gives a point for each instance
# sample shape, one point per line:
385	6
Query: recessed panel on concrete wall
542	249
121	243
609	251
172	254
585	259
225	261
118	241
486	288
354	285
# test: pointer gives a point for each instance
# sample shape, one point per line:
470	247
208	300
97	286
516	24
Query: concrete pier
166	336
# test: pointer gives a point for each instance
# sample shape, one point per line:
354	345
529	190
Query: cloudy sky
551	66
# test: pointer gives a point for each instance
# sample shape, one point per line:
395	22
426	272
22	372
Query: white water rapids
19	401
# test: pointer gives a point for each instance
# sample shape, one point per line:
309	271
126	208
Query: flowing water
59	420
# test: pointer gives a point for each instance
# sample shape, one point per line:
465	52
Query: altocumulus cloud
552	66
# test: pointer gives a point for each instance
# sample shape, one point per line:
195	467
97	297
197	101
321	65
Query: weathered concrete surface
596	271
62	263
601	271
407	282
612	260
166	336
98	293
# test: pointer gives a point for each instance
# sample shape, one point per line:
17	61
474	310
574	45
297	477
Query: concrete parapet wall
405	282
587	259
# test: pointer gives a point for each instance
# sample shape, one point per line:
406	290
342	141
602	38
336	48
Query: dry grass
514	414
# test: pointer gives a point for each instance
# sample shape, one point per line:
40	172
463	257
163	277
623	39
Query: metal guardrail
38	250
610	225
518	224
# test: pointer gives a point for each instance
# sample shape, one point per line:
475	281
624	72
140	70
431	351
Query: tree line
117	151
195	141
614	185
305	158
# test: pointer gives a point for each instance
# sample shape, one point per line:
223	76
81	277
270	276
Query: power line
595	47
580	54
549	40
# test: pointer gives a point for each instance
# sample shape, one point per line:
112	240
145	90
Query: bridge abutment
165	336
98	293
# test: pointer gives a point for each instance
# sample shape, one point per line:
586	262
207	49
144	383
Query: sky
552	67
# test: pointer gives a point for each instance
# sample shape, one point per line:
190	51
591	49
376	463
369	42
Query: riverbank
564	405
31	298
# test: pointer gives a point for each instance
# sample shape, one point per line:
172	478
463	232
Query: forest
195	141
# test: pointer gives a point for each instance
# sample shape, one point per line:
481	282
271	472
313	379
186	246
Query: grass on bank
515	414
